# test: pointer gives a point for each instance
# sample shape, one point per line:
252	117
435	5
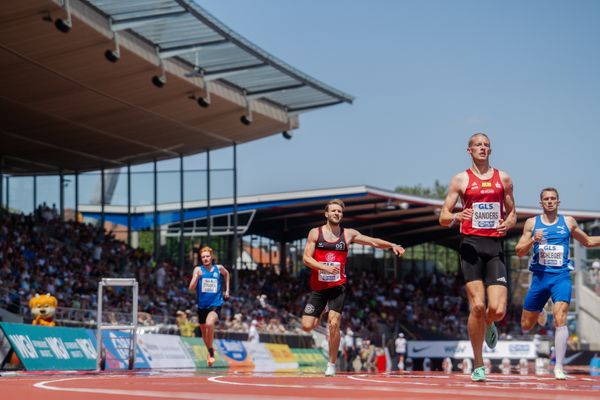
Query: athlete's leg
561	333
476	322
528	319
496	300
536	298
333	324
208	329
309	322
312	311
208	333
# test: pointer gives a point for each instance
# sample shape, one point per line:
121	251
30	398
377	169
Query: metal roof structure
90	84
405	219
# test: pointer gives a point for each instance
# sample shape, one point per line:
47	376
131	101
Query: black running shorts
334	297
203	313
482	259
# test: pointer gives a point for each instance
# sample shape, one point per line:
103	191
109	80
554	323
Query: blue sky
426	75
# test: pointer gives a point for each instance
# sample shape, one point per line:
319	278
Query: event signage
165	351
51	348
462	349
116	350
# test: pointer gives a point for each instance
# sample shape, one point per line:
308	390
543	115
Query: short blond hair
473	136
334	201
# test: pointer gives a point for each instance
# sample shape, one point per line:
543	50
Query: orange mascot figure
43	307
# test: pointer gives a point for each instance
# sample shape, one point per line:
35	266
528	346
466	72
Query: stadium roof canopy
66	106
405	219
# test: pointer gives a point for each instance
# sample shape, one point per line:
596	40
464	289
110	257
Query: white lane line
479	390
48	385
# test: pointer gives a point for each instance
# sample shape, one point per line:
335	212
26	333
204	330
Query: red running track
247	386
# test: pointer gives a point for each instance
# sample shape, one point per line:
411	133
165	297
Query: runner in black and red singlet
325	253
488	212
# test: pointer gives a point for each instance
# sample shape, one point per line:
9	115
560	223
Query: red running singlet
331	253
486	198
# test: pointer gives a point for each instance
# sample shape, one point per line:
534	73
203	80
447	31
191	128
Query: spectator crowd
40	253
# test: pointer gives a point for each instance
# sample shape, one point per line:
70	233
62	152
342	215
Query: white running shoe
559	374
330	371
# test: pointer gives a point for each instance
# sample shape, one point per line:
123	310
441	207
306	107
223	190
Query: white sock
331	364
560	344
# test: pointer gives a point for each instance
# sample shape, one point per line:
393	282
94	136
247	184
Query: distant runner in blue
549	234
206	280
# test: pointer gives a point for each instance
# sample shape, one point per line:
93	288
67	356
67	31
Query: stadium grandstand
98	87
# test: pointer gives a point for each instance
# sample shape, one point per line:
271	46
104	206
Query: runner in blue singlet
549	234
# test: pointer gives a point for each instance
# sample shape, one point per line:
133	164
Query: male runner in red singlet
488	213
325	254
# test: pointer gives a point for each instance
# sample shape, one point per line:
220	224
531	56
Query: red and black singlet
330	253
486	198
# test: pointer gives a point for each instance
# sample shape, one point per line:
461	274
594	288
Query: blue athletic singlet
209	288
552	255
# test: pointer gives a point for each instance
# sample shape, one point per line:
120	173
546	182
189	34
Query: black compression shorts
334	297
482	259
203	313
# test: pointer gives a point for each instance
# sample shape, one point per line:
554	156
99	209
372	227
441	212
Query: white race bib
486	215
209	285
551	255
325	277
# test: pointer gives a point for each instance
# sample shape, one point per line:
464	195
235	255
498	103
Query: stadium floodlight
159	81
112	55
288	134
64	25
203	102
246	119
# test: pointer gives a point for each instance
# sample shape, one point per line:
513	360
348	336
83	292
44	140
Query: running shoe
478	374
210	361
330	371
491	335
542	318
559	374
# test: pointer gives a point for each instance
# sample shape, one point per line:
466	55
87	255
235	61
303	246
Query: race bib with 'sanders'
325	277
486	215
551	255
209	285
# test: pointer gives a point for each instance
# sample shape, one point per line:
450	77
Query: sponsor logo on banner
116	347
51	348
283	356
463	349
165	351
235	353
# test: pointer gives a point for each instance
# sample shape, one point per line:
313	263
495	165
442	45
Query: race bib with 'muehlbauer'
326	277
486	215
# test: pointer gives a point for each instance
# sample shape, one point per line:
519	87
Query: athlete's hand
465	215
502	228
538	236
226	295
331	269
398	250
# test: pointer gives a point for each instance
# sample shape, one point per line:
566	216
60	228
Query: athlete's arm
309	251
195	276
354	236
580	235
510	218
447	217
225	274
528	238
